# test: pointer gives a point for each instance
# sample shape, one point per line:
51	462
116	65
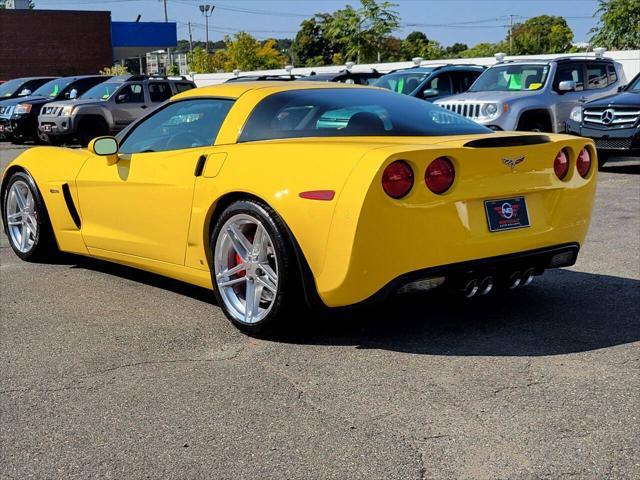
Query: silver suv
107	108
536	95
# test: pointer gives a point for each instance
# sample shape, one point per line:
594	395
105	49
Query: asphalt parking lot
112	373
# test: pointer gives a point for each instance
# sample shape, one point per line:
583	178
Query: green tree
484	50
32	5
619	25
456	49
379	21
311	46
115	70
200	61
416	44
541	34
346	34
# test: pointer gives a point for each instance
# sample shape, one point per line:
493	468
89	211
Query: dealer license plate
507	214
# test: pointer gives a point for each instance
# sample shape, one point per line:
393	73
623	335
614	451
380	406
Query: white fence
630	60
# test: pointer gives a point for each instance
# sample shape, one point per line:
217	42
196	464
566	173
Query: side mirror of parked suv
73	94
567	86
25	93
621	88
121	98
430	92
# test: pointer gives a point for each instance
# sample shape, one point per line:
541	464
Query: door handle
200	165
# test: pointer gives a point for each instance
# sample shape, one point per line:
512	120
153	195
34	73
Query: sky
447	21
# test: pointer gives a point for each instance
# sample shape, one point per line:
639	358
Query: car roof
546	61
440	68
237	89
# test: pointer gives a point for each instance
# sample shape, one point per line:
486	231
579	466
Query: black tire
287	296
603	158
44	246
90	129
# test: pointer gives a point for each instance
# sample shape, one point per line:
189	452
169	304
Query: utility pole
166	20
190	41
511	33
207	11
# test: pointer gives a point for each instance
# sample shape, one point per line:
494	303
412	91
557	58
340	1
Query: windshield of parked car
402	82
102	91
337	112
634	86
511	77
9	88
53	88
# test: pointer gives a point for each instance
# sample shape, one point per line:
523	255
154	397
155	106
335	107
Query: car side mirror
430	93
121	98
567	86
621	88
25	93
106	147
73	94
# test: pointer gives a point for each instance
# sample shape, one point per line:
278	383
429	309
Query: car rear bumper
622	141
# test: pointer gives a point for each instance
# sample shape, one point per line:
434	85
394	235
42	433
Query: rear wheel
91	128
603	158
26	219
252	271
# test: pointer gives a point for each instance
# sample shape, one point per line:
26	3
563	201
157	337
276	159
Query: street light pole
166	20
207	11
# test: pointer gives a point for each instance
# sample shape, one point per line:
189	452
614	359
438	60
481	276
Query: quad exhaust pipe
472	287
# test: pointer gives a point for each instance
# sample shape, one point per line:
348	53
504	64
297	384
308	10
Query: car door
568	71
129	104
141	206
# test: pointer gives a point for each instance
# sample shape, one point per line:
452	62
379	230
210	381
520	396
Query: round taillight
397	179
440	175
583	163
561	164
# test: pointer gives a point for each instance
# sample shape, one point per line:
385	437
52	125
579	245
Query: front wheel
26	219
252	272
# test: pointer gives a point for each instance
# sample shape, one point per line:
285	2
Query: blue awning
144	34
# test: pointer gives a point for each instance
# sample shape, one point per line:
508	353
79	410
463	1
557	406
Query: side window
612	75
596	75
131	93
442	83
159	91
179	125
568	72
183	86
82	86
462	81
33	85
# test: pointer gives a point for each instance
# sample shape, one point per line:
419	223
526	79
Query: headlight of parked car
489	111
68	110
23	108
576	114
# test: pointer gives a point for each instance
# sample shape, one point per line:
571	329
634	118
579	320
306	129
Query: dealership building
69	42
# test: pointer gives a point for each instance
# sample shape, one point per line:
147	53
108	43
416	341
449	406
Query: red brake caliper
238	261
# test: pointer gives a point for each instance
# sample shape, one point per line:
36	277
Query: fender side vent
515	141
70	205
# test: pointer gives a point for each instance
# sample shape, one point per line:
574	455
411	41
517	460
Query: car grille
53	111
615	117
470	110
6	111
614	143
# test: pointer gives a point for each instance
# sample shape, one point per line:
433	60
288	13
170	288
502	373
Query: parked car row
59	110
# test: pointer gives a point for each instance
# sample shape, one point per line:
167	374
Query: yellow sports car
272	192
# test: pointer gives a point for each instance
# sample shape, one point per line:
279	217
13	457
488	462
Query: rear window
350	112
596	76
183	87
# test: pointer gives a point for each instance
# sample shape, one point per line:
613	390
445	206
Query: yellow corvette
272	192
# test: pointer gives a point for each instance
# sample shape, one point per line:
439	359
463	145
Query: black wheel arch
309	288
538	115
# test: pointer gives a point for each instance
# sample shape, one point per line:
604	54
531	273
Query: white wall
630	60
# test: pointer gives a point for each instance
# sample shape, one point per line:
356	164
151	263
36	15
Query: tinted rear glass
350	112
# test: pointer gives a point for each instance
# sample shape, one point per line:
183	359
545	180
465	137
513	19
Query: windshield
634	86
102	91
53	88
402	82
9	88
512	78
337	112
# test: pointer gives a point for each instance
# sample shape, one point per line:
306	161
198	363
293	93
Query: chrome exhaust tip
470	288
527	276
486	286
515	279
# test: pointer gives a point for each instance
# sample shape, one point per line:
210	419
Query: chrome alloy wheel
21	217
246	268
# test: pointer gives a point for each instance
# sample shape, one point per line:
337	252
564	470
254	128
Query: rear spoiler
515	141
